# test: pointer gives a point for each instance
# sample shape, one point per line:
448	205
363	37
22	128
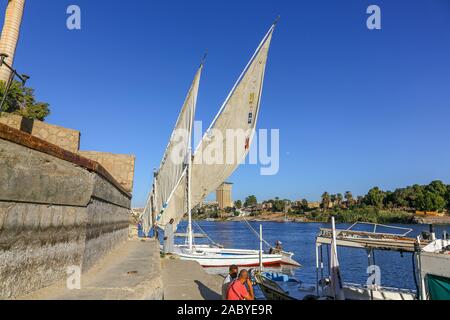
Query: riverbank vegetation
380	206
377	206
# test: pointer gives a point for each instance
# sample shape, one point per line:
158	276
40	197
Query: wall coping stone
22	138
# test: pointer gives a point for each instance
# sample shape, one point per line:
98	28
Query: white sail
239	113
171	173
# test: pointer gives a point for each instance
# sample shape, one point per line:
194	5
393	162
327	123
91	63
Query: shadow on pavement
206	292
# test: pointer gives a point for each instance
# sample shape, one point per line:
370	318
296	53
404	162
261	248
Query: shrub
20	100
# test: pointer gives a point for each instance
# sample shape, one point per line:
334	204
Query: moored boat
208	256
271	289
179	186
370	240
433	269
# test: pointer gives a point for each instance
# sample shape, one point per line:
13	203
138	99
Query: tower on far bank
223	195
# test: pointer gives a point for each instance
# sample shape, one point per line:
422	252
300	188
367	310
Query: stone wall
37	243
120	166
67	139
57	209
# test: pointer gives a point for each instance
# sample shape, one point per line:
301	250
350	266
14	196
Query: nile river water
396	269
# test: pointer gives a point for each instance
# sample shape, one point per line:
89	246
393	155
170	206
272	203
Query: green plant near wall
21	101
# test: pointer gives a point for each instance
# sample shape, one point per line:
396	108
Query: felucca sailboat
179	186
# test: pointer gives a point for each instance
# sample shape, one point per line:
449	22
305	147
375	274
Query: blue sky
355	108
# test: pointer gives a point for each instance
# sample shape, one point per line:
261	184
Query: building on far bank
314	205
208	204
224	196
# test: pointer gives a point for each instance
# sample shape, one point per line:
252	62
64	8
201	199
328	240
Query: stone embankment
58	209
132	271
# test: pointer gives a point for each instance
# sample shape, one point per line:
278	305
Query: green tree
437	187
333	199
349	199
429	201
20	100
250	201
325	201
339	199
238	204
448	197
305	204
360	200
400	198
375	197
278	205
414	193
389	200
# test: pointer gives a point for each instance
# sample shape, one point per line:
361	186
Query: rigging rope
204	233
256	233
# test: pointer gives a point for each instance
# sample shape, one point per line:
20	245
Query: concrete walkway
186	280
130	272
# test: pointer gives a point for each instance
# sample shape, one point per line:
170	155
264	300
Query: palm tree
10	34
333	199
325	201
339	198
349	198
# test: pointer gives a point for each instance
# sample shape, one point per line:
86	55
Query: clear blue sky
356	108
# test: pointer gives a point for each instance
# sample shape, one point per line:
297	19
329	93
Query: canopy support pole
260	248
188	180
317	269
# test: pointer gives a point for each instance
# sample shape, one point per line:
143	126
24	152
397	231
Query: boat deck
369	240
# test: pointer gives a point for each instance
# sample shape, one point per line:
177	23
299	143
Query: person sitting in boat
238	289
278	248
232	276
168	237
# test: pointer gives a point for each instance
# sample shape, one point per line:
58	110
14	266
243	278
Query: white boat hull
358	292
208	256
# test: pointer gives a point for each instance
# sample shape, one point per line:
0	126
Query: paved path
134	271
186	280
130	272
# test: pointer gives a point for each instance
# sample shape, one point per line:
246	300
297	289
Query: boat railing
406	231
352	232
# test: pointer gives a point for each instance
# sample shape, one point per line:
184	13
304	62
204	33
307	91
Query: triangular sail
239	116
172	170
239	113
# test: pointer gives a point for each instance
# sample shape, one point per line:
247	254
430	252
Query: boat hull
358	292
287	260
219	257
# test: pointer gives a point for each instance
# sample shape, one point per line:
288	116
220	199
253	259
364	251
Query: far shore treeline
377	206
